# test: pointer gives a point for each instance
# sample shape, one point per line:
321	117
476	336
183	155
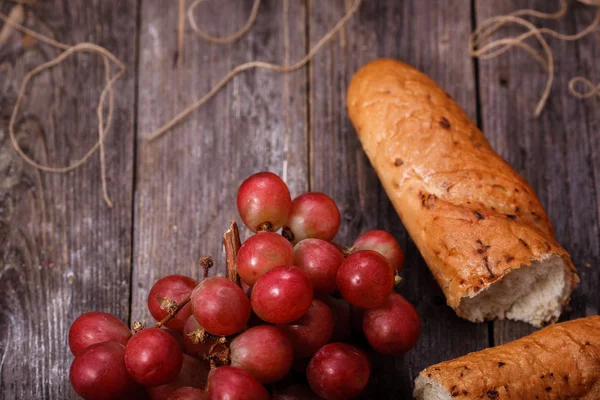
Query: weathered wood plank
432	36
554	152
187	181
63	251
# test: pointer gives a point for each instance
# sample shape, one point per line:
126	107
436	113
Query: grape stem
218	358
265	227
136	327
346	251
174	313
232	243
206	263
287	233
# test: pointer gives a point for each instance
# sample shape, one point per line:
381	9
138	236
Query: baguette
479	226
561	361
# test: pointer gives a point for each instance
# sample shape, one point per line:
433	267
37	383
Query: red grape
264	202
187	393
365	279
191	334
338	371
282	295
172	287
383	243
264	351
178	336
220	306
228	383
320	260
296	392
341	317
153	357
193	373
313	215
393	328
312	331
96	327
99	373
261	253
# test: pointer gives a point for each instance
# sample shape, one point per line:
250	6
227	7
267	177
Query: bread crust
561	361
473	218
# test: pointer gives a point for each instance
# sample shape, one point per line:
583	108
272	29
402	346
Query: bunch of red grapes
299	299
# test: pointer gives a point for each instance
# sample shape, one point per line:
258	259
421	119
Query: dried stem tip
168	305
137	326
206	263
197	336
232	243
173	313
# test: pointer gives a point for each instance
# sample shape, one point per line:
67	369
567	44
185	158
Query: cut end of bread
535	294
429	389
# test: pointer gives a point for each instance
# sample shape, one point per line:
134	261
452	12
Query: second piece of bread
561	361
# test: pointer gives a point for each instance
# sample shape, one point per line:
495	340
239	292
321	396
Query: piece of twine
249	65
105	96
479	48
225	39
105	123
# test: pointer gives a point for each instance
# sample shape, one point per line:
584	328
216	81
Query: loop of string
478	47
591	88
227	39
252	64
103	127
107	95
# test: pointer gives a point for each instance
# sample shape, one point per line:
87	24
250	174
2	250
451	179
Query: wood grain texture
187	181
555	153
63	251
431	36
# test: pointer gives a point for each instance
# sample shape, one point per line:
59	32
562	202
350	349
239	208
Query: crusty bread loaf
561	361
477	223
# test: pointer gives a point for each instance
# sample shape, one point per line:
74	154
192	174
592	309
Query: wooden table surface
64	252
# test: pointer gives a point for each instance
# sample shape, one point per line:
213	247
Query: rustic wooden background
63	252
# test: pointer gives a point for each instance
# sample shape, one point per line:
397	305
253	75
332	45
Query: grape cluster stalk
281	324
